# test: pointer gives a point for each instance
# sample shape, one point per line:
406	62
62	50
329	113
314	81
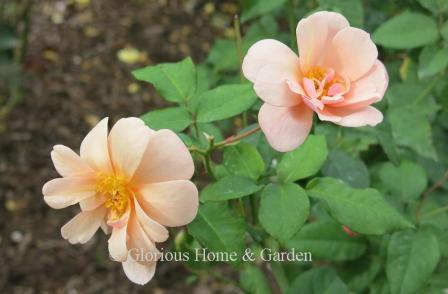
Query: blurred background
63	66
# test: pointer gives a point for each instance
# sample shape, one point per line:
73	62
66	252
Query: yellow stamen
117	193
317	73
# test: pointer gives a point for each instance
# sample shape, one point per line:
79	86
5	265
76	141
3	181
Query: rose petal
272	86
128	140
314	35
67	162
95	150
368	89
117	243
166	158
139	273
352	118
356	52
171	204
92	203
269	52
83	226
62	192
285	128
155	231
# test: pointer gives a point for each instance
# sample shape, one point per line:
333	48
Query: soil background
73	79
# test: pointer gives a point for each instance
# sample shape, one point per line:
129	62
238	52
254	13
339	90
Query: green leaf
432	61
176	82
350	140
173	118
229	187
410	117
253	280
406	181
351	170
435	6
219	228
283	210
304	161
223	55
362	210
410	95
255	8
318	281
352	9
407	30
325	239
244	160
444	30
411	108
411	259
224	102
363	273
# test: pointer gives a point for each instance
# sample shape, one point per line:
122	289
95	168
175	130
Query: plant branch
435	212
236	138
427	192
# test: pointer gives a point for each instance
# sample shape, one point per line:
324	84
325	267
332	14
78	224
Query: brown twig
236	138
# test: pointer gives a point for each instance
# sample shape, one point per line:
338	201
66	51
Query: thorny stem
425	196
205	153
236	138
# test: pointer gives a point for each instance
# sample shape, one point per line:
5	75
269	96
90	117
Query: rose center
322	82
117	193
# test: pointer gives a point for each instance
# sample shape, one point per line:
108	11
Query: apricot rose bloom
133	183
337	75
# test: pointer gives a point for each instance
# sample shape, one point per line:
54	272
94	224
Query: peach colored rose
133	183
337	75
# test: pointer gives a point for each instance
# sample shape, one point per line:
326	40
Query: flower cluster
134	182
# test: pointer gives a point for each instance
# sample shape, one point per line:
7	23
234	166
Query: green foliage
224	102
432	61
350	169
410	109
407	30
435	6
244	160
255	8
218	228
325	239
303	162
253	280
229	187
176	82
351	9
173	118
283	210
362	210
407	181
411	259
318	281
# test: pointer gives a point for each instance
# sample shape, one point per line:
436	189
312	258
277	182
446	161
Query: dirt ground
74	78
